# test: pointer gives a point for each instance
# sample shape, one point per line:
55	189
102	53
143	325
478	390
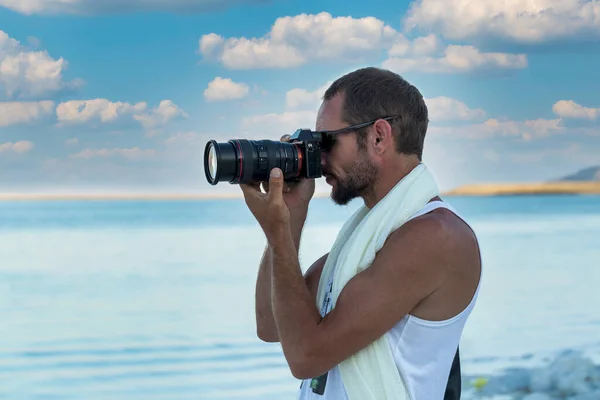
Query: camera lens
245	161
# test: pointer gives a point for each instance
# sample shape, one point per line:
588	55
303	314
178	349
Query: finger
285	138
251	186
250	190
275	185
291	184
286	187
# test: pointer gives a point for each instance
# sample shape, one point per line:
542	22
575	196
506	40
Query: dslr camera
243	161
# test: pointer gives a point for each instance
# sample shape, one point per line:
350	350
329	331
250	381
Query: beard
358	181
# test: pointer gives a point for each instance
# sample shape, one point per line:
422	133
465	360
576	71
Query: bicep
374	300
313	275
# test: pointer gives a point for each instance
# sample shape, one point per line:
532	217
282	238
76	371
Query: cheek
341	153
341	156
336	162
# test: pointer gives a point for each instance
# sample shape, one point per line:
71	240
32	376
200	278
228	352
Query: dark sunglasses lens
328	142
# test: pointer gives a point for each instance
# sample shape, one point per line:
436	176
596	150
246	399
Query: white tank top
423	350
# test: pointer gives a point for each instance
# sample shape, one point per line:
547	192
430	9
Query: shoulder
440	253
434	246
440	231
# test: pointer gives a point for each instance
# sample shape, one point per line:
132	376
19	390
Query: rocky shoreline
570	376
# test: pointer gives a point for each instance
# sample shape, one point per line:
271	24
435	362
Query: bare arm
265	323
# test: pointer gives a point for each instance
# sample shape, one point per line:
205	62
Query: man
422	284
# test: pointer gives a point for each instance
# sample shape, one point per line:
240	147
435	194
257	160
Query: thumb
275	184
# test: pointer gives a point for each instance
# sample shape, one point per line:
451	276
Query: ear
383	137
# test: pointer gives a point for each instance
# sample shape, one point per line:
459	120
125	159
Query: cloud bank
526	22
298	40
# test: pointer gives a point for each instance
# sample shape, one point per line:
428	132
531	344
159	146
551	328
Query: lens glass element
212	162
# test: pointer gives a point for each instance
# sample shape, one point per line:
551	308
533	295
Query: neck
389	178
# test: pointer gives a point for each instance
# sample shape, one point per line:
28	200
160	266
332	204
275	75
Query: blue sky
95	96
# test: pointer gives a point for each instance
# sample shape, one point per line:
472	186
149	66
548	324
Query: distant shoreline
511	189
124	196
491	189
115	196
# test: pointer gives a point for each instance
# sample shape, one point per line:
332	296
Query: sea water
155	299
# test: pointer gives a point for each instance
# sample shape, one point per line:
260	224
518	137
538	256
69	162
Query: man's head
360	157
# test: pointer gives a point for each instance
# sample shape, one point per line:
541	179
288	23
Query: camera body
244	161
310	142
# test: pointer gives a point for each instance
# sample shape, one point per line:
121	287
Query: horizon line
478	189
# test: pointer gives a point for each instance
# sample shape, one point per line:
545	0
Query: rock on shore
571	376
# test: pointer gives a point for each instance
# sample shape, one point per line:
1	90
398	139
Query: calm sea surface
155	300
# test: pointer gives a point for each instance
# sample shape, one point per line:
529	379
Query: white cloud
222	89
183	147
31	74
517	20
447	109
161	115
12	113
72	141
573	151
426	55
296	99
132	154
273	126
294	41
570	109
21	147
29	7
105	111
301	108
182	139
420	46
526	130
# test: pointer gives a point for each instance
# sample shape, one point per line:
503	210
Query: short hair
372	93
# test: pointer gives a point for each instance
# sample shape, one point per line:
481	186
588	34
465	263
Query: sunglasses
328	138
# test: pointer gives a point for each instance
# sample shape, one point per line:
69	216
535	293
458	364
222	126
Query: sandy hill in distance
585	181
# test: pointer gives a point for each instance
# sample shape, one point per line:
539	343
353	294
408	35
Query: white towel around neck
371	373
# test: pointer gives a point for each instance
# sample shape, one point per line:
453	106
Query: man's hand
270	209
297	195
